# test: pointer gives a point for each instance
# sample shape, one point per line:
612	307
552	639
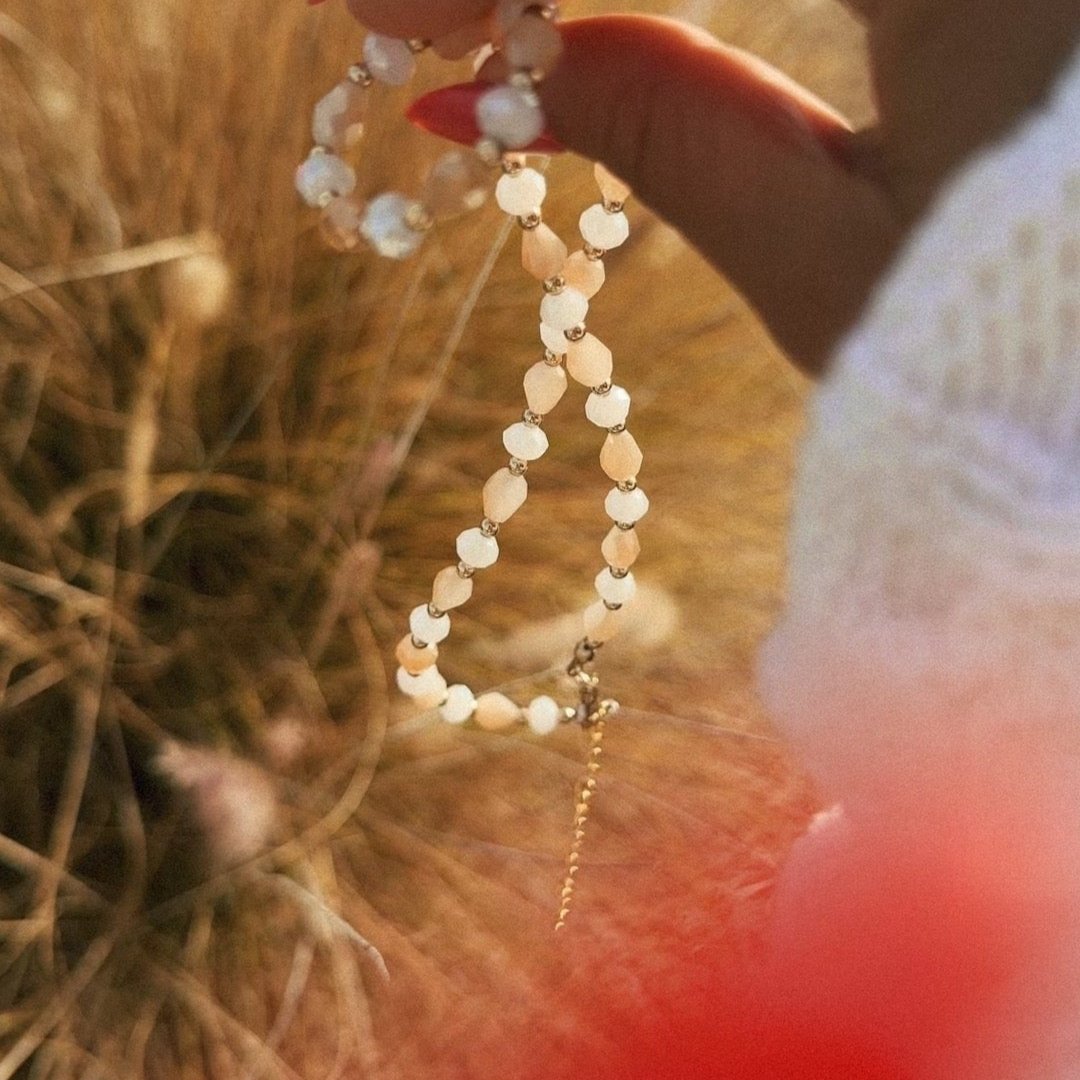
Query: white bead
626	506
426	629
477	550
390	60
554	340
459	705
429	683
324	176
337	121
564	310
510	115
603	230
386	228
543	715
521	193
524	441
608	410
615	590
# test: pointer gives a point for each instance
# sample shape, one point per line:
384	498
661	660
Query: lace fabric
934	580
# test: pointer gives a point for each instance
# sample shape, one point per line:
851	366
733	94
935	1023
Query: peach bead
543	254
415	660
584	274
504	495
621	457
589	361
545	385
495	712
450	589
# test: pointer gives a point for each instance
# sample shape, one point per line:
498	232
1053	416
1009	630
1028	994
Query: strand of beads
568	347
394	224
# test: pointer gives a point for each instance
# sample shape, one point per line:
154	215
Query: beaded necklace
510	120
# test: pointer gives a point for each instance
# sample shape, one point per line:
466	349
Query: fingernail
451	113
312	3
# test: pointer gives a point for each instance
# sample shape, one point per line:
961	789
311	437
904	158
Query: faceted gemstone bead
427	629
504	495
457	184
603	230
564	310
533	44
543	715
601	623
477	550
611	187
339	223
621	457
615	590
627	507
621	548
524	441
450	590
429	683
521	193
323	176
511	115
608	410
584	274
554	340
495	712
588	361
414	659
545	385
459	705
337	121
390	60
543	254
385	226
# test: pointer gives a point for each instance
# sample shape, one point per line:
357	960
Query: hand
802	214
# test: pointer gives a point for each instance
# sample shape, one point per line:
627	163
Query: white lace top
934	594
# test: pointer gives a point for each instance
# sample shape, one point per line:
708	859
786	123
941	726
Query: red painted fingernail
451	113
312	3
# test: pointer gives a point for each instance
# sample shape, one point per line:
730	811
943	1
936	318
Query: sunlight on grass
231	462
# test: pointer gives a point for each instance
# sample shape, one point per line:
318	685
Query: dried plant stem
87	710
141	257
327	922
404	442
62	1001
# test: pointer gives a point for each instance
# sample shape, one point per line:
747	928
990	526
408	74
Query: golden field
230	463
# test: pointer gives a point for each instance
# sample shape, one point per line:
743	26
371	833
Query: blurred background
231	461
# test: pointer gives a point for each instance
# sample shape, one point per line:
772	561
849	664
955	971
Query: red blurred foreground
934	938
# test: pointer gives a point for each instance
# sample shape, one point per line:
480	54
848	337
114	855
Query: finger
756	172
419	18
865	9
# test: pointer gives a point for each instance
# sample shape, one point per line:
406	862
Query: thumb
754	170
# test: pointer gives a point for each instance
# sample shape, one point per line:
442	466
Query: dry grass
231	462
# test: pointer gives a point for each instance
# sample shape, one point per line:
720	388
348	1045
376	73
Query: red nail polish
451	113
312	3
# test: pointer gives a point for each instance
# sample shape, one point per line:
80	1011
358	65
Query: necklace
510	119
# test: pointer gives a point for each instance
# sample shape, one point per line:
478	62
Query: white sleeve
934	581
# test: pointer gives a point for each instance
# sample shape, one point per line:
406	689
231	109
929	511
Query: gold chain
592	714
